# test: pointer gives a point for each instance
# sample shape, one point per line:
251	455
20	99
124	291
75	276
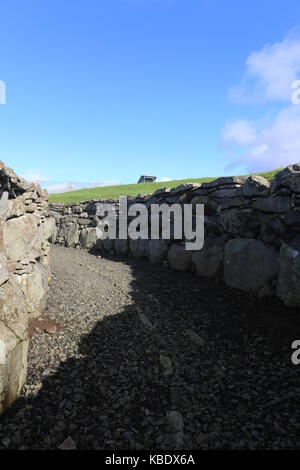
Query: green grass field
114	192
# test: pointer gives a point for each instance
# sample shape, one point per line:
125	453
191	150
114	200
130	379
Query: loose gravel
135	356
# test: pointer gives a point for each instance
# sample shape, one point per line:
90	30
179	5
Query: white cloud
267	144
240	132
34	176
106	183
163	179
276	144
269	73
62	187
53	188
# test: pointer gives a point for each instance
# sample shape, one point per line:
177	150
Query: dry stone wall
25	228
252	232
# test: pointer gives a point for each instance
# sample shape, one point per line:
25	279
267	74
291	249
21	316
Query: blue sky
101	91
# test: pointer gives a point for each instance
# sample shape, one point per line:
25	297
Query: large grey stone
283	178
229	203
13	342
255	186
108	244
13	366
139	248
77	209
83	221
54	213
213	224
226	193
249	264
210	205
273	229
288	282
62	231
275	204
89	237
294	183
4	207
209	260
121	246
35	287
292	219
72	237
179	258
229	181
158	250
19	235
184	187
16	208
4	273
243	222
53	238
48	228
13	310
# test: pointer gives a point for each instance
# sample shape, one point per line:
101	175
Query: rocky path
136	356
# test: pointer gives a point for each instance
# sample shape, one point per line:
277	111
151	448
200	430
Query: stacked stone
252	232
25	230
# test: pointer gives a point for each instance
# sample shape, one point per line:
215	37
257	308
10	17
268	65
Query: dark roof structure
147	179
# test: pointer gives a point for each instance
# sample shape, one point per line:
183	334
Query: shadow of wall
229	387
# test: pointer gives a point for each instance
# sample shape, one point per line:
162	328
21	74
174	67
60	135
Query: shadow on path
217	357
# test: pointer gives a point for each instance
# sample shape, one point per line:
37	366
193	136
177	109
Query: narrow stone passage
142	357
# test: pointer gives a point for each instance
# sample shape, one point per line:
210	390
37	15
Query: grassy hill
113	192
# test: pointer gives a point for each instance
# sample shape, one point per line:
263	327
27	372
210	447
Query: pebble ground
141	357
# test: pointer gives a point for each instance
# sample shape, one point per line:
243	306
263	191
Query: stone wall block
179	258
249	264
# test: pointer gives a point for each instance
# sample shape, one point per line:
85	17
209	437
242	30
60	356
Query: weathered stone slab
237	202
19	235
224	181
108	245
226	192
89	237
243	222
48	228
179	258
292	219
121	247
13	312
4	208
282	178
209	260
255	186
34	286
4	272
275	204
13	366
273	229
72	237
158	250
249	264
210	205
16	208
139	248
288	282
